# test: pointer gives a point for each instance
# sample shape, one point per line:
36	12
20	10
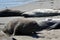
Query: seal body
21	26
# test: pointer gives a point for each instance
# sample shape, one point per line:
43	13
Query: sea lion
21	26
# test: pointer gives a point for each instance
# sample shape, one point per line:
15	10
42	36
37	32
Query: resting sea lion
21	26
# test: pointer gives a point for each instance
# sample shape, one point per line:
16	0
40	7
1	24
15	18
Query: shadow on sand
33	35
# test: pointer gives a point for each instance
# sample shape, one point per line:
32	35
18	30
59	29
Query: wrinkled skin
21	26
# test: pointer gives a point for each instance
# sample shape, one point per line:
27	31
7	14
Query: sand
43	35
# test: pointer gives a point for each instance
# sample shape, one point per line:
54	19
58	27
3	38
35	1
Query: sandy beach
43	35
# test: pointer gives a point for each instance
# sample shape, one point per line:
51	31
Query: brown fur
26	26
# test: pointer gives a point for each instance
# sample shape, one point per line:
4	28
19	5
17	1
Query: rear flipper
13	39
53	26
